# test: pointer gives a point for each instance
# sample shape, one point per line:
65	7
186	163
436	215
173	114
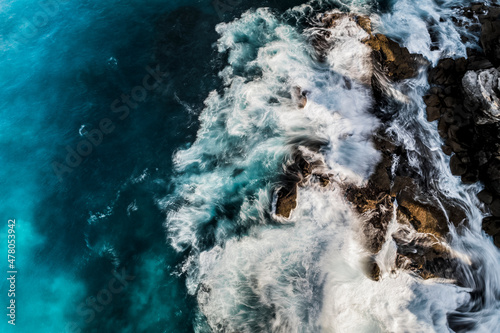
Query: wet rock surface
426	256
465	98
374	201
422	216
394	61
300	171
287	200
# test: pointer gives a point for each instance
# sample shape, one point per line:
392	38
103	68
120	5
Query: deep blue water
61	69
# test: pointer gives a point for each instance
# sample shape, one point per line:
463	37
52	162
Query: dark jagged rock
427	225
491	225
371	268
466	92
426	213
287	195
374	201
434	105
457	167
324	180
490	34
485	196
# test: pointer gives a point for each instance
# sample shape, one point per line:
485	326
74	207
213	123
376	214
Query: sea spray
253	272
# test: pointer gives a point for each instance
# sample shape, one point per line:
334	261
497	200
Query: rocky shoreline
463	99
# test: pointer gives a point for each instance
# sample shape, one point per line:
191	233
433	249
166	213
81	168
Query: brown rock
287	201
491	225
422	218
295	174
447	64
443	128
324	180
495	207
449	118
456	166
374	200
432	100
365	23
377	207
447	150
430	216
456	147
436	91
470	177
450	102
485	196
304	167
400	63
433	113
478	8
374	272
426	224
424	256
437	76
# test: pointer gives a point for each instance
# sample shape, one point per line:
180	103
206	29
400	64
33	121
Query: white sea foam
253	273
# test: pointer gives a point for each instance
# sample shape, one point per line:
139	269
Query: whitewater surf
276	249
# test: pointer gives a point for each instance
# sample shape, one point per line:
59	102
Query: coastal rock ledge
422	216
465	100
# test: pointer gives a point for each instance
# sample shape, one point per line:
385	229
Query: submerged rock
300	97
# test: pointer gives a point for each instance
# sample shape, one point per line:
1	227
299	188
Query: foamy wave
252	272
